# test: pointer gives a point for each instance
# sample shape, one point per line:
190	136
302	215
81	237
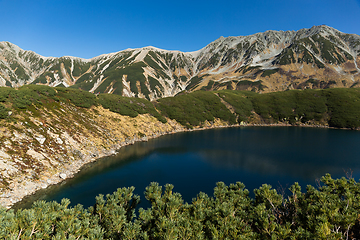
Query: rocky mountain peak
317	57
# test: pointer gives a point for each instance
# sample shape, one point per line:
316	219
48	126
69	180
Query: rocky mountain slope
319	57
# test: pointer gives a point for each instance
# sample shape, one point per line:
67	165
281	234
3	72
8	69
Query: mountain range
319	57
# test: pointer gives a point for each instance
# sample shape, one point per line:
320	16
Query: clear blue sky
87	28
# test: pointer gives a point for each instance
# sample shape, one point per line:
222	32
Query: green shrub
156	86
329	212
77	97
275	107
287	57
194	81
310	105
269	72
84	78
24	97
344	107
42	90
255	86
195	108
3	111
128	106
5	93
239	101
209	86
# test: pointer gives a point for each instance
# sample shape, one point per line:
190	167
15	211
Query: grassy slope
334	107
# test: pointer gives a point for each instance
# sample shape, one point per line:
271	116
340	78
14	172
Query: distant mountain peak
316	57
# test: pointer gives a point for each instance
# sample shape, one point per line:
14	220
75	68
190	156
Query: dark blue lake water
195	161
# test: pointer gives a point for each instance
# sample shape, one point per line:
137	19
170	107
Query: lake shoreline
70	170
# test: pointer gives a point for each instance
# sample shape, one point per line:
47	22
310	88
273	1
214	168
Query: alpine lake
195	161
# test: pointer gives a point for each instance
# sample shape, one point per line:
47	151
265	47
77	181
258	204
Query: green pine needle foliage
330	211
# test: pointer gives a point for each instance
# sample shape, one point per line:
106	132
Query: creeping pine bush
331	211
77	97
128	106
3	111
344	107
338	108
195	108
237	99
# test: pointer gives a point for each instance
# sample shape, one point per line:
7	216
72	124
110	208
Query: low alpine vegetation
335	107
329	212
